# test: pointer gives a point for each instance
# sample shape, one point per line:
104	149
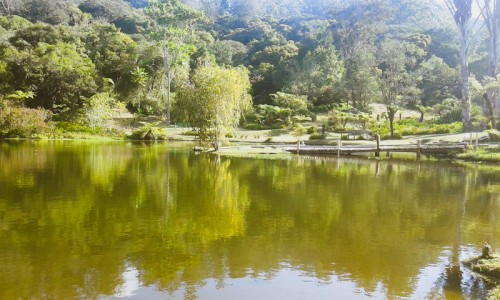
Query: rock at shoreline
488	266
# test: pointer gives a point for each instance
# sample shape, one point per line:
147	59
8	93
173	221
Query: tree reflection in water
94	220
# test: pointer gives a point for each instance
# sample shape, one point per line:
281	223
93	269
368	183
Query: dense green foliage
412	127
328	54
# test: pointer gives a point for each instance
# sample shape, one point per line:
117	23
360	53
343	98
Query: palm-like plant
139	77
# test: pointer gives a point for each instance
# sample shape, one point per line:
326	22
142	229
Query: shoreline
249	143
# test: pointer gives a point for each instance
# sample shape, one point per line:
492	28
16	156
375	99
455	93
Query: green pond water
84	220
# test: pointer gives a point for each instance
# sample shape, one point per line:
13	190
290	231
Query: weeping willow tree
215	101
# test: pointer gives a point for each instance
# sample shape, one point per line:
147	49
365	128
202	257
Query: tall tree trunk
461	10
491	17
169	83
139	99
168	66
353	96
391	112
493	60
491	112
464	71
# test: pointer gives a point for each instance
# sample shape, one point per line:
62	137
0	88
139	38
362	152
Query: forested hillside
74	60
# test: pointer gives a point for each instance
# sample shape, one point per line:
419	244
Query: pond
88	220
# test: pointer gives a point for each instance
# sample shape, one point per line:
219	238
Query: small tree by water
215	101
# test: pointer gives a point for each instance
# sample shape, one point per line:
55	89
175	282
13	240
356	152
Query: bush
316	136
97	110
298	130
494	135
301	119
312	130
397	136
148	133
254	126
324	108
414	127
190	133
450	111
339	119
286	109
66	127
23	122
295	103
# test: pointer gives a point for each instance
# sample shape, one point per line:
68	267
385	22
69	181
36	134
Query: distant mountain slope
408	14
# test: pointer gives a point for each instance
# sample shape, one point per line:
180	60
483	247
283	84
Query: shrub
449	111
142	134
334	119
148	132
494	135
414	127
339	119
316	136
23	122
397	136
66	127
323	108
97	110
254	126
294	103
298	130
312	130
190	133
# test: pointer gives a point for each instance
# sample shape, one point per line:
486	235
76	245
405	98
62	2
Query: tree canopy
328	52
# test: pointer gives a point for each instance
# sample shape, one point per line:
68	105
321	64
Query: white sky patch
130	283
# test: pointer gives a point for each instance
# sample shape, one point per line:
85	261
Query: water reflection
94	220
